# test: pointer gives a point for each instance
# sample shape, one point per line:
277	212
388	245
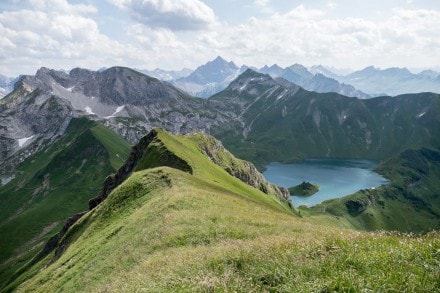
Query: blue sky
172	34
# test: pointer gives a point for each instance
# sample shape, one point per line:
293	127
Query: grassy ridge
167	230
52	185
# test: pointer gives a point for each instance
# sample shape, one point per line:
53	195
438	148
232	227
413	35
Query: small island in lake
304	189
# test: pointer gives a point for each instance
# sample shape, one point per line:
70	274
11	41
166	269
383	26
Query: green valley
282	122
182	222
52	185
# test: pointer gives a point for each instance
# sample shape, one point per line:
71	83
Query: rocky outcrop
112	181
243	170
29	121
358	205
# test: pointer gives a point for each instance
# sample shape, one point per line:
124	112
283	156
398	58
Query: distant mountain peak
219	59
214	72
252	73
275	66
298	66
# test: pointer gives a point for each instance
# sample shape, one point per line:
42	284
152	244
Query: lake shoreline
336	177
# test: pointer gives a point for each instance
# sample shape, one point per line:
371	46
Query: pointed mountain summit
322	70
214	71
209	78
300	70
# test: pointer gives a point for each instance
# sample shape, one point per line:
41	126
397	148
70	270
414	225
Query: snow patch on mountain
89	110
118	109
22	141
421	114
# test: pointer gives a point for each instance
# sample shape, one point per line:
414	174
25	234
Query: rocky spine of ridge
243	170
110	183
211	147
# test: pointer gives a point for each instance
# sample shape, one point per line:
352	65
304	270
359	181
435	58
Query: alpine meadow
149	146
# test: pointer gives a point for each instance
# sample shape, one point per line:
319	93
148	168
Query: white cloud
55	38
177	15
61	6
261	2
48	36
408	38
331	4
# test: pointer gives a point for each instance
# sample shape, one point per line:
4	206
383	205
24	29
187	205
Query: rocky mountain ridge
281	121
391	81
318	82
130	103
41	106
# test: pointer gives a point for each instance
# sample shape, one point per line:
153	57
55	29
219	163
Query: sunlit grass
167	230
178	234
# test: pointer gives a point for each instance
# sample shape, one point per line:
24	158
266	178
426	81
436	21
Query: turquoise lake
336	178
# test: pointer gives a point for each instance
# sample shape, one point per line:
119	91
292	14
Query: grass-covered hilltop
183	214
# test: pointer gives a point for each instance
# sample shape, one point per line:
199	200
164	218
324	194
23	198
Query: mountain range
214	76
63	134
167	75
392	81
41	107
283	122
6	85
130	103
318	82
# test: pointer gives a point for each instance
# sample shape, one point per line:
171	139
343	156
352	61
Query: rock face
243	170
41	106
30	118
359	205
114	180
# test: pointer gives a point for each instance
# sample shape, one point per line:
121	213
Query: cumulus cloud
177	15
308	36
261	2
48	35
53	38
62	6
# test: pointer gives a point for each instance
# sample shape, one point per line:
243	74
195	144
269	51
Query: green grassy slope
52	185
283	125
200	229
410	203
